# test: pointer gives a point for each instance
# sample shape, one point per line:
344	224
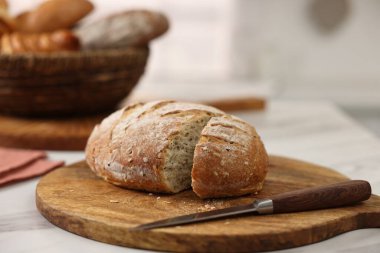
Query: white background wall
224	40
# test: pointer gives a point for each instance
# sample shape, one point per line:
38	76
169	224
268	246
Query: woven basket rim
112	52
113	72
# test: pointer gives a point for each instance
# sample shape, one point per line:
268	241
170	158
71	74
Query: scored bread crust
131	148
229	159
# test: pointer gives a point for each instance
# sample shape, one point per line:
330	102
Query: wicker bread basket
72	83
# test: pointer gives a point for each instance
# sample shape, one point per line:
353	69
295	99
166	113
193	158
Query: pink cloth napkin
11	159
17	164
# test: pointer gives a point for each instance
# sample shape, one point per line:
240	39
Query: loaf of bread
167	146
130	28
53	15
5	26
6	22
20	20
3	5
63	40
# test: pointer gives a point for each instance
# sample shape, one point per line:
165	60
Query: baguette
5	26
167	146
20	21
53	15
62	40
4	5
6	22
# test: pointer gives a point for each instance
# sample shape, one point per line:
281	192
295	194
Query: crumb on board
206	207
209	206
158	198
150	194
114	201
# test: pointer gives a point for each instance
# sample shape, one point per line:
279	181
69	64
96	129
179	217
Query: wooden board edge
154	239
29	142
166	241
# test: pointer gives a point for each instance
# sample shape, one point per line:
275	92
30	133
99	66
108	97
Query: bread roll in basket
41	74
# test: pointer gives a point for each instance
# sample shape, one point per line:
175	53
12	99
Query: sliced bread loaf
151	147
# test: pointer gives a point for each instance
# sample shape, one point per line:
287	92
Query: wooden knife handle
333	195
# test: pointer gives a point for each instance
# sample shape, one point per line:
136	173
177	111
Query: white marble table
314	131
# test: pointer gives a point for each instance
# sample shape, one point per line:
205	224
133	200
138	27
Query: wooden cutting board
51	134
74	199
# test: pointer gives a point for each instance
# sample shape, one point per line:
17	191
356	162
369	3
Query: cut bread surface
180	153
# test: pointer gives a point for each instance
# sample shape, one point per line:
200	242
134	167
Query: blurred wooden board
238	104
72	133
74	199
225	104
48	134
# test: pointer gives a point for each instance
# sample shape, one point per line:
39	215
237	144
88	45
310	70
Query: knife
320	197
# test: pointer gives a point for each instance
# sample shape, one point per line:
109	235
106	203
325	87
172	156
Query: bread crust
61	40
128	28
229	160
54	15
6	21
129	149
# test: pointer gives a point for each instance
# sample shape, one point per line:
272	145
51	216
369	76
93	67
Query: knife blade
314	198
256	206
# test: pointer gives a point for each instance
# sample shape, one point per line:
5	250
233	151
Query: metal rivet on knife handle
263	206
329	196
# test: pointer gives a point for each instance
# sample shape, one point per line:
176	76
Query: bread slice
151	147
229	159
